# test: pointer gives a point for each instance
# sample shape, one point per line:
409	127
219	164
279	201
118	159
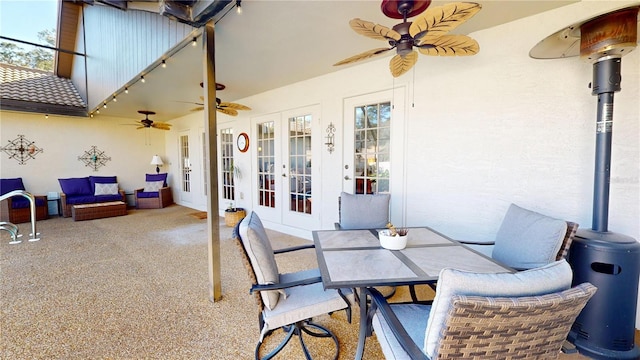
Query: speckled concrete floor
136	287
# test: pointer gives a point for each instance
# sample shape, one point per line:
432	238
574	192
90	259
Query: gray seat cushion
527	239
364	211
258	247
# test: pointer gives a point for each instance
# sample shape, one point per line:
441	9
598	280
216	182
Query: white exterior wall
63	139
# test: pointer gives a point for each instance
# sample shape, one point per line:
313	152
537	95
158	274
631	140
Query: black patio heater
605	328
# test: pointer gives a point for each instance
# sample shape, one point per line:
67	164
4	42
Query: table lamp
156	160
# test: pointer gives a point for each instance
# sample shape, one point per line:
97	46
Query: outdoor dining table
355	259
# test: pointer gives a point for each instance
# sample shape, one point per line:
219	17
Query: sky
23	19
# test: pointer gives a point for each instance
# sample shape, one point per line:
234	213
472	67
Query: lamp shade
156	160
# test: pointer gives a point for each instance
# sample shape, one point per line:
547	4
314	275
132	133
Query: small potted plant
232	215
392	238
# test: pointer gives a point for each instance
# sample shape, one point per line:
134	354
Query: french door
284	186
186	196
374	146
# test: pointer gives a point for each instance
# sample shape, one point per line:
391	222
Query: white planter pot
389	242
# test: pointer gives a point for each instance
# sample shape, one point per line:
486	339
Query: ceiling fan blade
197	108
234	106
140	127
449	45
362	56
227	111
401	64
160	127
373	30
439	20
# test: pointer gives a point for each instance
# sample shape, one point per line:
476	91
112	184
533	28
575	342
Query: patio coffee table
98	210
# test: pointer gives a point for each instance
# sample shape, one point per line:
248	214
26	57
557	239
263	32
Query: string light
91	115
97	111
46	116
104	105
114	98
164	64
238	7
142	79
194	42
126	90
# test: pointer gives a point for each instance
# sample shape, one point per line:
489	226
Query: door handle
347	177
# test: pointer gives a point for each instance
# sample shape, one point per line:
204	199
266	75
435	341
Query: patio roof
31	90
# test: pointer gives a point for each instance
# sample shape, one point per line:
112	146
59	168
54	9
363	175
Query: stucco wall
63	139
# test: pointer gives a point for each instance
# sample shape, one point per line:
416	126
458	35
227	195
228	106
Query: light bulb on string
164	64
142	79
126	90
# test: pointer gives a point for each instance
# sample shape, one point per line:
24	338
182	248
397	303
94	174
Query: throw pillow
106	189
258	247
364	211
152	186
156	177
527	239
76	186
548	279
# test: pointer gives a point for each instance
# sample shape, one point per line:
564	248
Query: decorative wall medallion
21	149
94	158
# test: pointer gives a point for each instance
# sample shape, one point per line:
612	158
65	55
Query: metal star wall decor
94	158
21	149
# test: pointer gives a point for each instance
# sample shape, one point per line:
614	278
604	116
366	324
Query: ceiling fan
147	123
224	107
427	33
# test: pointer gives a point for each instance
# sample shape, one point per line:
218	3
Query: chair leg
298	329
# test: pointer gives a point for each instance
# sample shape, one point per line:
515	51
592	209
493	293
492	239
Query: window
300	163
228	170
266	164
372	138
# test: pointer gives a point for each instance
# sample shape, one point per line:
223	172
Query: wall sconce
157	161
331	130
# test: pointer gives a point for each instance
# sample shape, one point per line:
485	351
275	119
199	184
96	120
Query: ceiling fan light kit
428	33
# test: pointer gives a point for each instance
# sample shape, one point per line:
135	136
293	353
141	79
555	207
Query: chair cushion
106	189
364	211
152	186
148	195
157	177
258	247
76	186
304	302
81	199
551	278
107	198
9	185
21	202
527	239
414	320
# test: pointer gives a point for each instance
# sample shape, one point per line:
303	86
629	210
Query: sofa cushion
256	243
157	177
81	199
107	198
9	185
527	239
148	195
551	278
76	186
101	180
360	211
153	186
106	189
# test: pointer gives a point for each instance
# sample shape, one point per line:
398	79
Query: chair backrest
363	211
527	239
547	279
9	185
258	250
515	327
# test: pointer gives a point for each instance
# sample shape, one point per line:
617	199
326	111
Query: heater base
588	349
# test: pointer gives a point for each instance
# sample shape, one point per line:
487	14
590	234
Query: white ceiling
275	43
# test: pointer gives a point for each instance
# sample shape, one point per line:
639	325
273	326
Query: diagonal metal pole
213	222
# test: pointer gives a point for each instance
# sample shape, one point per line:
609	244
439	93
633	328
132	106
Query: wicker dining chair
305	296
530	323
